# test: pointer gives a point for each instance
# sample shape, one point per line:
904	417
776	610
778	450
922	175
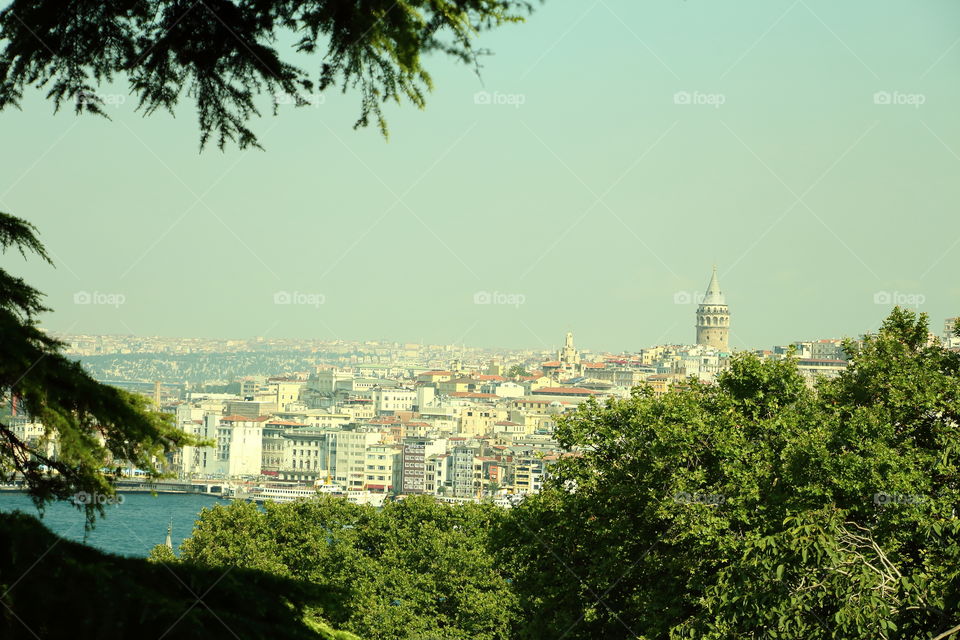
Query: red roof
553	363
565	391
472	394
490	377
236	418
594	365
287	423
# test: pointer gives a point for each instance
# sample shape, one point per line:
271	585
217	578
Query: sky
609	155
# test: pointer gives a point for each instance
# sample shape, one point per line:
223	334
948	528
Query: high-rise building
950	338
713	317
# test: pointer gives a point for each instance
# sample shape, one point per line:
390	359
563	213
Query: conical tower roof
714	295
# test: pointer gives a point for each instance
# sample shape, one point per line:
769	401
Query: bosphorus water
131	528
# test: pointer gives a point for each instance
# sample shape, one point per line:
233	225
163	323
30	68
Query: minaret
713	317
168	543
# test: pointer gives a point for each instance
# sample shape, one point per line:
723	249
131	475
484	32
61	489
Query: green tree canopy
517	371
416	569
756	507
222	54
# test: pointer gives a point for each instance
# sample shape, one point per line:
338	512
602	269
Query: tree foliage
517	371
53	588
88	426
222	54
414	569
756	507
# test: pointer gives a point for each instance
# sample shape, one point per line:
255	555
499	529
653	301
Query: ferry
290	493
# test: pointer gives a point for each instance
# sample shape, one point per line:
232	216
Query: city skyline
712	324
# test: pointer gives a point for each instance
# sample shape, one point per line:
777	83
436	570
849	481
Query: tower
713	317
569	355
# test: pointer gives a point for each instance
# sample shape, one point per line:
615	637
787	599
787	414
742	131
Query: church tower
713	317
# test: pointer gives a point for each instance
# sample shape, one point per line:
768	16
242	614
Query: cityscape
372	420
479	320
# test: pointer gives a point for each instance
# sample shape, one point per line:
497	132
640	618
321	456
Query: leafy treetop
222	54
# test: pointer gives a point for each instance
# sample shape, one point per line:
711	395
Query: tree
756	507
414	569
517	371
56	588
88	426
224	53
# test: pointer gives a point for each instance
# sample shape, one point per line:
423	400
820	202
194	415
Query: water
128	529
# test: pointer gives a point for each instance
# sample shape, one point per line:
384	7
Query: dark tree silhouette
88	426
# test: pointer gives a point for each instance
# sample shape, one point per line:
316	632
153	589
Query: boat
287	493
290	493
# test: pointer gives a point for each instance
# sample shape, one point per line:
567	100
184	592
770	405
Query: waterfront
130	529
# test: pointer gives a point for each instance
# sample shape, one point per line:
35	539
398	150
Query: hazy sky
622	148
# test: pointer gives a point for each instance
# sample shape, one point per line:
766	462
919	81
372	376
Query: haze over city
611	154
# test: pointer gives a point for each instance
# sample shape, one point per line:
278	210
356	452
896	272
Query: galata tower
713	317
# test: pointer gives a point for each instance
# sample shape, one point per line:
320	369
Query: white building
348	456
951	340
426	397
326	381
506	389
313	453
391	400
305	455
239	446
384	466
197	460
